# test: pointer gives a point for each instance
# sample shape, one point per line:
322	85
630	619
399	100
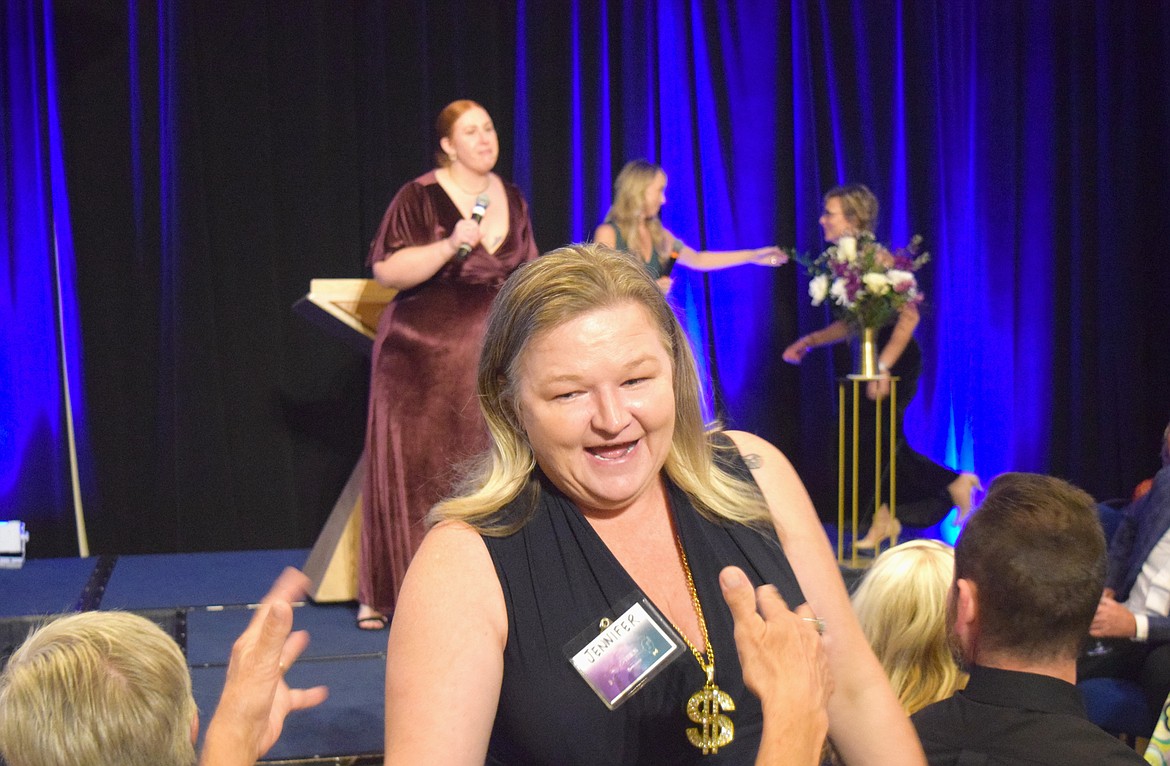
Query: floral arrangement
867	284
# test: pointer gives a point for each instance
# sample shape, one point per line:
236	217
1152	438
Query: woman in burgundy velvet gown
423	417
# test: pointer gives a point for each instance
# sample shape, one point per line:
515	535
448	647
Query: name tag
620	656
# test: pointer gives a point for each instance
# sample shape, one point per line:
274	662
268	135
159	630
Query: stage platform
205	600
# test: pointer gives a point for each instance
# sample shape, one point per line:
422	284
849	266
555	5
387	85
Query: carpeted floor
203	600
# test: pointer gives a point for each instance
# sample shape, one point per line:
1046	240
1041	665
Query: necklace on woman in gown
715	730
487	182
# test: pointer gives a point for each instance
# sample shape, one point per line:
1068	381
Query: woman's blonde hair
901	604
858	204
558	287
629	204
96	688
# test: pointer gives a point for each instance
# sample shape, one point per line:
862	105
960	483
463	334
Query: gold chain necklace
487	183
715	730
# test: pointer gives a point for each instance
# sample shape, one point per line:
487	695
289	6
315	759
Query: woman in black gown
926	491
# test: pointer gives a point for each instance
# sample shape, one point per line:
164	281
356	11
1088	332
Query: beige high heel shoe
884	527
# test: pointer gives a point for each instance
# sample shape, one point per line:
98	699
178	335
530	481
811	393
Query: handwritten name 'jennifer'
613	634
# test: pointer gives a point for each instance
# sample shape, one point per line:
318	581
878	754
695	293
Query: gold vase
867	364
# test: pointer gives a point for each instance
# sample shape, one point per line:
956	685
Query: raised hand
256	700
784	665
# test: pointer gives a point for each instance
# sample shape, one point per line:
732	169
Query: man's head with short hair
1033	554
97	688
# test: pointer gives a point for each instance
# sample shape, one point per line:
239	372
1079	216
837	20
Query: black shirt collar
1027	691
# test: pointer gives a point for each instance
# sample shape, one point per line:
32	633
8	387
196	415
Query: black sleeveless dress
559	579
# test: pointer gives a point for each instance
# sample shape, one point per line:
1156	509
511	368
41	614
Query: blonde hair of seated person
901	603
97	688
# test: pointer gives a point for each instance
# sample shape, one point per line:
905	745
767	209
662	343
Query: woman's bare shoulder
452	538
452	578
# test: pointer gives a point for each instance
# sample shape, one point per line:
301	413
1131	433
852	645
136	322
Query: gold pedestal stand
857	381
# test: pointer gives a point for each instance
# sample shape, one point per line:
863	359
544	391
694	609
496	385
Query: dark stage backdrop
217	156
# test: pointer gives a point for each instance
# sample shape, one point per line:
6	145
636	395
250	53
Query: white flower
876	284
902	281
837	290
818	288
847	249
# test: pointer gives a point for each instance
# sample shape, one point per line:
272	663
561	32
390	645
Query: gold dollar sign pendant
705	708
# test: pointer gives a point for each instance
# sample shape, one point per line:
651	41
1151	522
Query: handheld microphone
667	264
481	203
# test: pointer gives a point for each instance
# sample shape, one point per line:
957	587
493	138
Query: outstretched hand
795	353
784	664
770	256
256	699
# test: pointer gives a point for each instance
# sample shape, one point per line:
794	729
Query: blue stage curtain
692	87
40	359
221	155
1009	137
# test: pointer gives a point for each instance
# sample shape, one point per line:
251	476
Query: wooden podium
347	309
